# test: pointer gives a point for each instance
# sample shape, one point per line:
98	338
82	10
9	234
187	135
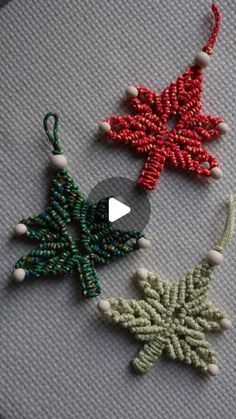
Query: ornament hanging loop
52	135
215	31
229	225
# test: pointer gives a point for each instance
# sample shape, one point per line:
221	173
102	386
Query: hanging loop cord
215	31
52	135
229	225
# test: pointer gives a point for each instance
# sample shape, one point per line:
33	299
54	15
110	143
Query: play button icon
117	209
128	204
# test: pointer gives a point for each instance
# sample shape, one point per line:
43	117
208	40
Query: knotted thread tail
229	225
148	356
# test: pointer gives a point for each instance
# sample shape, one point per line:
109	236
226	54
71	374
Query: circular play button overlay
128	204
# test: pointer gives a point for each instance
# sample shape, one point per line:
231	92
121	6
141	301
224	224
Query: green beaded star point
173	317
58	252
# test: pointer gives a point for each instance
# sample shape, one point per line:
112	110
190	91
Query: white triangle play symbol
117	209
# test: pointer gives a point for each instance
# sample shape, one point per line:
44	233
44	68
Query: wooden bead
131	91
103	305
202	59
19	274
216	173
223	128
104	127
20	229
213	369
225	324
205	164
214	257
143	243
141	274
58	161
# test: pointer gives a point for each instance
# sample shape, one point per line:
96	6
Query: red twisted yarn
215	31
146	131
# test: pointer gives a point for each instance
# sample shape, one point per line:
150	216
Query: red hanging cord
215	31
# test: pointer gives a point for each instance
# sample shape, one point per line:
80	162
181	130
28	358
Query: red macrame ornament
146	130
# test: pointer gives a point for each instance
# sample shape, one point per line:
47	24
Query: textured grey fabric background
59	358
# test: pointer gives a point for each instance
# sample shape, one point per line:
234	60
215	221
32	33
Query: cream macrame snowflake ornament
172	318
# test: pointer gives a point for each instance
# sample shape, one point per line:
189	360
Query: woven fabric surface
59	357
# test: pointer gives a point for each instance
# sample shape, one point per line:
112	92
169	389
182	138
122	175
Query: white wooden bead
223	128
141	274
19	274
143	243
205	165
20	229
104	127
202	59
104	305
214	257
213	369
58	161
131	91
225	324
216	173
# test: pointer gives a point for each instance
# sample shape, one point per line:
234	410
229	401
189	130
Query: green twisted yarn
173	317
58	252
54	137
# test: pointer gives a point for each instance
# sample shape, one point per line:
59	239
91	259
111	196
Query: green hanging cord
229	225
53	137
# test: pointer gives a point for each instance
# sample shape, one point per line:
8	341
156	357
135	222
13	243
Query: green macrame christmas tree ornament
58	252
173	317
